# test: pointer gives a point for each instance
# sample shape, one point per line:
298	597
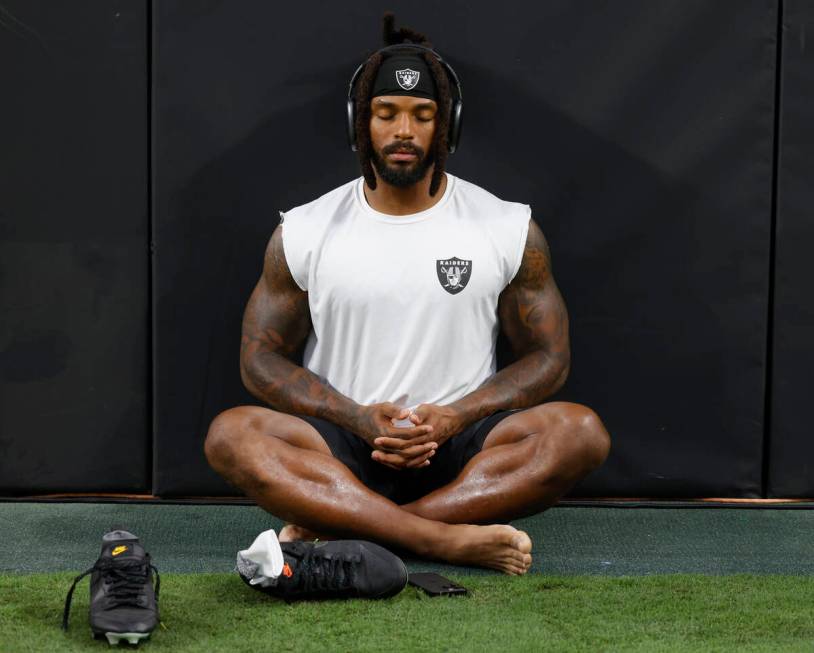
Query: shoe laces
125	581
327	571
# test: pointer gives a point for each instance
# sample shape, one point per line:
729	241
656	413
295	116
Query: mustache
403	147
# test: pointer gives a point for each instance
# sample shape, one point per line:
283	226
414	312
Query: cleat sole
131	638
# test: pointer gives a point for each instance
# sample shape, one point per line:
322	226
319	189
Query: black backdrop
74	283
642	134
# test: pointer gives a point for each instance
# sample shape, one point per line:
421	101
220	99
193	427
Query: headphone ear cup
455	125
352	124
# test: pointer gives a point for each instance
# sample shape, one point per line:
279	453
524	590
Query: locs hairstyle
439	147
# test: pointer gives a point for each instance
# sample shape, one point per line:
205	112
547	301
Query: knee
217	437
224	432
585	432
592	435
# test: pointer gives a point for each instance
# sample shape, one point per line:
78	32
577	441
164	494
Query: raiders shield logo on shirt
453	273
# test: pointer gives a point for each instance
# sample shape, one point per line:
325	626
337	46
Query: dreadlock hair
440	143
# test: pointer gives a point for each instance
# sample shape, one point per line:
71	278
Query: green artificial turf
567	540
216	612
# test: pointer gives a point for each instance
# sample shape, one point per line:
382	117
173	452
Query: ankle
439	541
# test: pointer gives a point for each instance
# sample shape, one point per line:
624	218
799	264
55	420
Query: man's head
402	113
402	130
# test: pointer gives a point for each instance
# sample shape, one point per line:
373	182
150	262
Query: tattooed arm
276	322
533	316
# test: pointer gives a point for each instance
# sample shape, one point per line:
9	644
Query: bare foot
292	533
500	547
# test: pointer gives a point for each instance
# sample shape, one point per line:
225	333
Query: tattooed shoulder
275	254
275	267
536	264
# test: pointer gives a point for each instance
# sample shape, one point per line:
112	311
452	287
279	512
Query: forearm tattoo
276	322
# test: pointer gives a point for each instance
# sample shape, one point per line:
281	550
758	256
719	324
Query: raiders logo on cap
407	78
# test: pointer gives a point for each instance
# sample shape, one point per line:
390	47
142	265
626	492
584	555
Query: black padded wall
791	444
641	134
73	247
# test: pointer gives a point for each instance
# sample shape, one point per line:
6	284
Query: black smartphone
436	585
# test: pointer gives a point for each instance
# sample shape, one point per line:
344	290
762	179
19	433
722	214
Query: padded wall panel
791	444
648	162
639	132
73	247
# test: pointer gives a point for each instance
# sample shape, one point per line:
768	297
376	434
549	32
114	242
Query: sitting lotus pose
398	428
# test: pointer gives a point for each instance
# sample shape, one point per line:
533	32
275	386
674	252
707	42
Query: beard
402	174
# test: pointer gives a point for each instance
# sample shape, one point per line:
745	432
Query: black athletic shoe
331	570
123	603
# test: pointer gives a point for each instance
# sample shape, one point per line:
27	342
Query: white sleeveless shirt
404	308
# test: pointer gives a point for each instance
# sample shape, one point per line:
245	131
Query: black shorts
406	485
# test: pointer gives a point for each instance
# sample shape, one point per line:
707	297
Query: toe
512	566
518	557
522	542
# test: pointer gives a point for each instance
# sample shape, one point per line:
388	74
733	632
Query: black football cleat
123	602
326	570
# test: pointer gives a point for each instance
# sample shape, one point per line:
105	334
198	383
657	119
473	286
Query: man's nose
404	126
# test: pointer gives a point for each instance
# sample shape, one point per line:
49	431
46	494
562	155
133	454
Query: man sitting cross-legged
397	428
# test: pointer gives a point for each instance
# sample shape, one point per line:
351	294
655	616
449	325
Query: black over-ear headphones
457	102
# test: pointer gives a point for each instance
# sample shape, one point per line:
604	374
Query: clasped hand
407	447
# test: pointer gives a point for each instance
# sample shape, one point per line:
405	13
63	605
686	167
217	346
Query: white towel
262	562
